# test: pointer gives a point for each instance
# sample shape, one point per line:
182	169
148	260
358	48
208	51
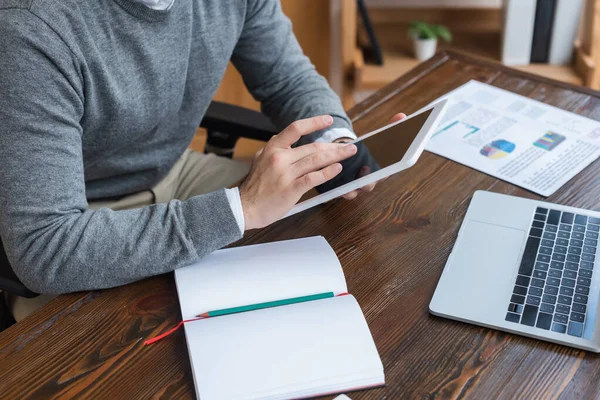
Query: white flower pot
424	48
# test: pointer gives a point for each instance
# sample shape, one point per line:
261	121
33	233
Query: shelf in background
398	55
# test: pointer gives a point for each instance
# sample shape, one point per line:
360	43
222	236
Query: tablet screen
376	152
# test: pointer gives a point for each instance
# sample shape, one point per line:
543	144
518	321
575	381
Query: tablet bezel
408	160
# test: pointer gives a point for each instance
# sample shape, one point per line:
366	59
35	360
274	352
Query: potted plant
425	36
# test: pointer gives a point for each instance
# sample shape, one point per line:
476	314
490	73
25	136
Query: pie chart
497	149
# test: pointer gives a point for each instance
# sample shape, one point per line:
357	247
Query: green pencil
268	304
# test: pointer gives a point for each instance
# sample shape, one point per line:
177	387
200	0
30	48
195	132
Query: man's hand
280	175
365	170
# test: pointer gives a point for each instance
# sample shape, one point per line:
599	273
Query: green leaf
423	30
443	32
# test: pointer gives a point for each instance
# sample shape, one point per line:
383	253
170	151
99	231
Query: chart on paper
515	138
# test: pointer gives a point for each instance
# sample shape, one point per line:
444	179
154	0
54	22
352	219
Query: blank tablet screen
377	151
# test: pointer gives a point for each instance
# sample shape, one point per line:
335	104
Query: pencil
276	303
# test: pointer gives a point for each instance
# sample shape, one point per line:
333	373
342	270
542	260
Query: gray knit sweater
98	99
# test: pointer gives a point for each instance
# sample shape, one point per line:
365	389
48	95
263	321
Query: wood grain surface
392	243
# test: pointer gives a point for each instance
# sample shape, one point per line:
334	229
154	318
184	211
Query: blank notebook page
259	273
292	351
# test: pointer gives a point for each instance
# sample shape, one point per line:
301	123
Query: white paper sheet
522	141
259	273
304	349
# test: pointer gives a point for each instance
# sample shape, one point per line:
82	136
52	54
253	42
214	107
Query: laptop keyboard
552	288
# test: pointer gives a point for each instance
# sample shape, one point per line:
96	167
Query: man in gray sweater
99	101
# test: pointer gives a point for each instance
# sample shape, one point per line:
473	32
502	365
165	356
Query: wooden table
393	245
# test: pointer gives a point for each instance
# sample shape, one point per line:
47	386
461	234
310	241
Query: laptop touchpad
483	267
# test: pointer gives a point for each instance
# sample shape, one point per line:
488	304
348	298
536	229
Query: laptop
526	267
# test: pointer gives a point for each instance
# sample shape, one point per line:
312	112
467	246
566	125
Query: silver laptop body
526	267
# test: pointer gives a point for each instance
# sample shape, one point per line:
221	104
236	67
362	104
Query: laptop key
567	218
570	274
540	283
543	258
516	308
548	242
563	235
559	328
561	318
568	282
590	242
593	228
566	291
574	250
551	228
562	300
557	264
539	217
576	242
584	290
547	308
553	282
548	298
564	227
520	290
554	273
575	329
529	315
562	242
591	235
580	308
539	274
584	281
544	321
537	232
588	257
560	249
541	210
589	249
535	291
541	266
573	258
512	317
572	266
578	235
523	280
515	298
533	300
553	217
576	228
555	256
563	309
577	317
594	220
584	273
545	250
551	290
581	219
580	298
587	265
526	267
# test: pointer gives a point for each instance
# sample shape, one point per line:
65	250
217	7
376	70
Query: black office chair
225	124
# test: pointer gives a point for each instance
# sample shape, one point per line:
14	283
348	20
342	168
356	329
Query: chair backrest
9	282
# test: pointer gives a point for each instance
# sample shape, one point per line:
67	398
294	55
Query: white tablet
408	136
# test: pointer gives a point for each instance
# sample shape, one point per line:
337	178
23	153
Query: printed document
514	138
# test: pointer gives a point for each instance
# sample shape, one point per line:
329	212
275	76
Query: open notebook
291	351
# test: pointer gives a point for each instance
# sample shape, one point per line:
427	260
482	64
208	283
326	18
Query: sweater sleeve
278	74
54	243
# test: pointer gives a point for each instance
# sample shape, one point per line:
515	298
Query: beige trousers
192	175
